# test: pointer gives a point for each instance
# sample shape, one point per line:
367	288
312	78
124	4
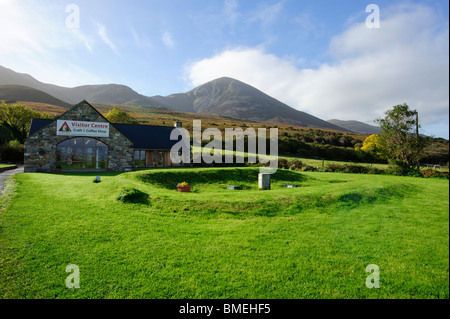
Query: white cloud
405	61
167	39
230	11
139	40
87	41
32	41
267	14
104	36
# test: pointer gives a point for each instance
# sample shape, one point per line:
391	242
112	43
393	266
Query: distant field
157	116
319	162
324	163
313	241
43	107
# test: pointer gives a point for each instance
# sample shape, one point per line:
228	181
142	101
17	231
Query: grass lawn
314	241
315	162
6	165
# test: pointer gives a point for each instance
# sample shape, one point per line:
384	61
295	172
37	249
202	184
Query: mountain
233	98
223	96
25	93
102	94
357	127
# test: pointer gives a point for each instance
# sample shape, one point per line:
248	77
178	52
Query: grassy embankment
313	241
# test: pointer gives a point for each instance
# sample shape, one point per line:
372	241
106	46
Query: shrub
295	164
373	170
283	163
333	167
308	168
398	168
355	169
11	154
292	165
14	143
132	195
413	172
432	173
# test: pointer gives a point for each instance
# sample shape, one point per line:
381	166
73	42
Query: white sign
80	128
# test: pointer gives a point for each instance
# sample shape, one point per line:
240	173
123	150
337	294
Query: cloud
167	39
230	19
104	36
36	41
267	14
308	24
371	70
87	41
230	11
139	40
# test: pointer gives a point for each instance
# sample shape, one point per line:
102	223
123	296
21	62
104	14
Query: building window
158	158
82	152
139	158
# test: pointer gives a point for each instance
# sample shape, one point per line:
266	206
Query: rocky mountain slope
223	96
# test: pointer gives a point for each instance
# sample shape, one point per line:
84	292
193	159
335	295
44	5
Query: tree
117	115
5	135
373	146
400	138
17	119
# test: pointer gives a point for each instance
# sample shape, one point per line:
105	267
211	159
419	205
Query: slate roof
147	136
37	124
142	136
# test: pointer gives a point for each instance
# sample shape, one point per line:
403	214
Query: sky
347	59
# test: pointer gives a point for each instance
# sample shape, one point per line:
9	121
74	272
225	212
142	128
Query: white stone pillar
264	181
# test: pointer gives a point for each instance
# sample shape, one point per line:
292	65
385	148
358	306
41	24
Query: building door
149	158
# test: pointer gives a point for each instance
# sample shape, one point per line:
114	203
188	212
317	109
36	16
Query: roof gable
142	136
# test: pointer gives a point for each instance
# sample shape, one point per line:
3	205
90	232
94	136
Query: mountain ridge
25	93
95	93
230	97
223	96
356	126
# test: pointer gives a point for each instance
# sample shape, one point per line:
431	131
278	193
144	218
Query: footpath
7	173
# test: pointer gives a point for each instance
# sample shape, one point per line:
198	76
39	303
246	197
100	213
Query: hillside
230	97
295	141
356	126
24	93
104	93
224	96
110	94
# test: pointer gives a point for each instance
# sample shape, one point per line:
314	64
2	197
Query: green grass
324	163
5	165
313	241
314	162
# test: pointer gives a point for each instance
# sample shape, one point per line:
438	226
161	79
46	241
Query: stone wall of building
40	147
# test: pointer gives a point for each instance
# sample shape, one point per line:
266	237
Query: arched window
82	152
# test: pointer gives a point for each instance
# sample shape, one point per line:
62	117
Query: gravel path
4	176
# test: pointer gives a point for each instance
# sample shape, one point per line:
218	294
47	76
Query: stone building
81	139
